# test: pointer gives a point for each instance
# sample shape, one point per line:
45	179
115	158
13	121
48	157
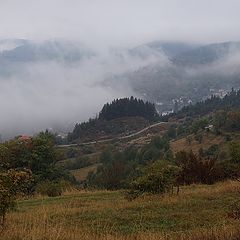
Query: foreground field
198	212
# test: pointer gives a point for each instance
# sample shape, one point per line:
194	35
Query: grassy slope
139	140
82	173
81	215
208	140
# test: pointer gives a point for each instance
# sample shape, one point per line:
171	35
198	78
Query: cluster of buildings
218	92
182	101
177	104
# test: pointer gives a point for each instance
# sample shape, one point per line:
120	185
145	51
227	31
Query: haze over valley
47	83
64	67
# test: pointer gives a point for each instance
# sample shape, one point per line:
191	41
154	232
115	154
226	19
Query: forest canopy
128	107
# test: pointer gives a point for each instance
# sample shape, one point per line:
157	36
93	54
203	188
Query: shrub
79	162
50	189
157	178
235	152
172	132
199	124
71	153
12	183
151	153
87	149
227	170
195	168
131	194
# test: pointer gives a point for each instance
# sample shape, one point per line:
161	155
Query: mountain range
169	72
192	73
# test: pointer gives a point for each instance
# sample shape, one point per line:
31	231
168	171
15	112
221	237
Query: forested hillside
121	116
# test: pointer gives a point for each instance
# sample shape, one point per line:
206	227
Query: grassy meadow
198	212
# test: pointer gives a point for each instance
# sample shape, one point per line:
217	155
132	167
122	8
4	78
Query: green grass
197	207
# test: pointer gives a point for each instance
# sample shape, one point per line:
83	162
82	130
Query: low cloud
57	94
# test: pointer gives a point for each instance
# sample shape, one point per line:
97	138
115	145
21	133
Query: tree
195	168
172	132
126	107
116	167
219	119
37	154
12	183
235	152
199	124
157	178
118	108
180	130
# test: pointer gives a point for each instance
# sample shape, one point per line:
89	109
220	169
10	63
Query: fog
53	93
57	94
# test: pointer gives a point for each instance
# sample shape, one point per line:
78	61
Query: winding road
116	138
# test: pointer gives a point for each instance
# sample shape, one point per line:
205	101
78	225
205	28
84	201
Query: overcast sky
121	22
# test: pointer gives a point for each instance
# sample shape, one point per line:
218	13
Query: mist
44	91
57	94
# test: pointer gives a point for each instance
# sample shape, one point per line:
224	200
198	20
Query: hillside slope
198	212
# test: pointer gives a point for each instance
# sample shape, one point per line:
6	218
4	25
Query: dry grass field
199	212
82	173
208	140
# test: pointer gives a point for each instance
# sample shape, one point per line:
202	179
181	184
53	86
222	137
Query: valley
120	120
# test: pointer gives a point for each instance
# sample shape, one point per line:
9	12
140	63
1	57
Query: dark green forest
119	108
128	107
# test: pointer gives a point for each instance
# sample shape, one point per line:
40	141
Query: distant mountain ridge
193	73
170	49
206	54
29	51
168	73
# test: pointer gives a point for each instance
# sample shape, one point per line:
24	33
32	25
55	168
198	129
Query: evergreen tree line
128	107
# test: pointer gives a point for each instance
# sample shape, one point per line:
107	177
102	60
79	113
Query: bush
195	168
227	170
199	124
71	153
154	150
172	132
213	150
131	194
12	183
157	178
234	148
151	153
79	162
50	189
87	149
